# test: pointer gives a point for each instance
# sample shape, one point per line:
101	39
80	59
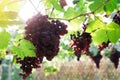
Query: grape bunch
96	58
80	43
114	57
103	45
45	36
27	64
116	18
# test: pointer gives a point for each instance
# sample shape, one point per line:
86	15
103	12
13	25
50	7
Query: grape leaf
68	14
47	3
94	25
4	39
75	24
11	5
56	5
113	26
80	8
110	6
80	3
8	15
113	31
15	5
25	48
5	23
99	36
113	35
96	4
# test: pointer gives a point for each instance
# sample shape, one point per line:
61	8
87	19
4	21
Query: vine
43	33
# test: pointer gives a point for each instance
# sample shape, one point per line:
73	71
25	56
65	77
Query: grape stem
85	23
73	17
51	11
92	12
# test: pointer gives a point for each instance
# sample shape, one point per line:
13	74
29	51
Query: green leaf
80	8
24	48
113	32
4	39
113	35
99	36
80	3
11	5
94	25
8	15
111	6
47	3
96	4
56	5
69	13
74	25
113	26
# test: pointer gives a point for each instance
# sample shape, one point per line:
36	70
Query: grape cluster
27	64
80	43
45	36
96	59
116	18
103	45
114	57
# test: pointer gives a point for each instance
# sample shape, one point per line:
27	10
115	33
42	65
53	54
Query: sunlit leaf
47	3
4	39
15	5
56	5
23	49
113	26
8	15
11	5
94	25
74	25
69	13
6	23
99	36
